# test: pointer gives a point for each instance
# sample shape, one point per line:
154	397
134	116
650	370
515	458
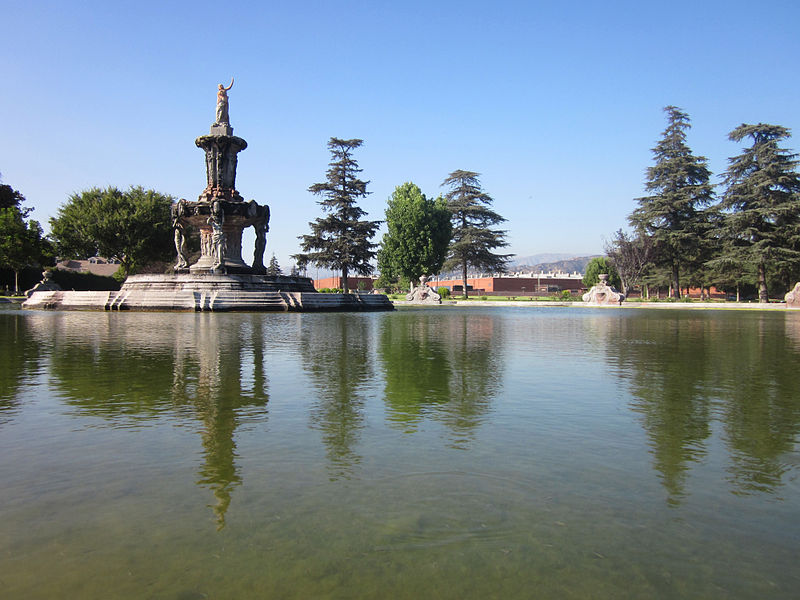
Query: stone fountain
220	280
604	294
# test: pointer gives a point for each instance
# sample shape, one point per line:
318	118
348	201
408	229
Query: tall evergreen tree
274	268
473	239
761	205
341	240
680	188
418	235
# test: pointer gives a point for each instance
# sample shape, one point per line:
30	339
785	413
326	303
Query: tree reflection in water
687	370
128	369
338	359
19	359
442	365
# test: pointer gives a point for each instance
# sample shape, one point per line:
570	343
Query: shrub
83	282
443	291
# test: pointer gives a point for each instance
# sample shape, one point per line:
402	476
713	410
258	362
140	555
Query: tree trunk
16	282
738	297
345	287
763	294
464	275
676	284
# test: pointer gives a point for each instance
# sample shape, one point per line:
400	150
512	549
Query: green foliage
566	295
330	290
341	240
443	292
392	282
418	234
672	216
11	198
21	242
273	268
79	281
600	264
131	226
759	226
473	239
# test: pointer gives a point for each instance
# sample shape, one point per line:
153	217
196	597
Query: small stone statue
178	211
423	294
261	213
216	220
222	105
793	298
45	285
604	294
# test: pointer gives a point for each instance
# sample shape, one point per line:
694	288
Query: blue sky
556	104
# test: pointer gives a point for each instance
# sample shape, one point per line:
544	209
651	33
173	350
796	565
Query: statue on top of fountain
222	105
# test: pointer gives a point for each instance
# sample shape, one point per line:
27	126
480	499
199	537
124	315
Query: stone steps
214	300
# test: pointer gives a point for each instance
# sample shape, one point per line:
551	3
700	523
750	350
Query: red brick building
534	283
353	283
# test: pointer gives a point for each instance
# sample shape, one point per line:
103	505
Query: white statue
222	105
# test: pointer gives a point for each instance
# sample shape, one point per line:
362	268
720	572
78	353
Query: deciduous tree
418	235
631	255
680	188
132	226
342	239
600	264
21	242
473	239
11	198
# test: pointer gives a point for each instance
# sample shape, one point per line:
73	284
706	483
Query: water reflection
128	369
336	351
19	360
447	366
688	370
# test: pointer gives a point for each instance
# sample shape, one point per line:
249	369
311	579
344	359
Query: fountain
604	294
220	280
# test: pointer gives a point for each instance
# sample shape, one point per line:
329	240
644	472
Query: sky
556	105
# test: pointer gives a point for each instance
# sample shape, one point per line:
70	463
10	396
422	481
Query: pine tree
680	188
273	268
341	240
761	205
473	240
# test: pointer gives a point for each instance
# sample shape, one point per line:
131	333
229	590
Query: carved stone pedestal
220	213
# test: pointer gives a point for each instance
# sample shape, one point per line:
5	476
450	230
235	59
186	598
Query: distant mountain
561	265
538	259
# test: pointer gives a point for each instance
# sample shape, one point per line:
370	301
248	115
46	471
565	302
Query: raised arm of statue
229	87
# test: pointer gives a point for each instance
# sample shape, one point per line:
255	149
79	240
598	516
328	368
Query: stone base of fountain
210	292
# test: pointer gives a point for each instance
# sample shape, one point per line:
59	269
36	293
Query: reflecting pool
426	453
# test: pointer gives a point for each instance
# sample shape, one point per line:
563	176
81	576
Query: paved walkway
626	305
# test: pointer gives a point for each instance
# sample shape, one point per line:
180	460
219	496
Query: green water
446	453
